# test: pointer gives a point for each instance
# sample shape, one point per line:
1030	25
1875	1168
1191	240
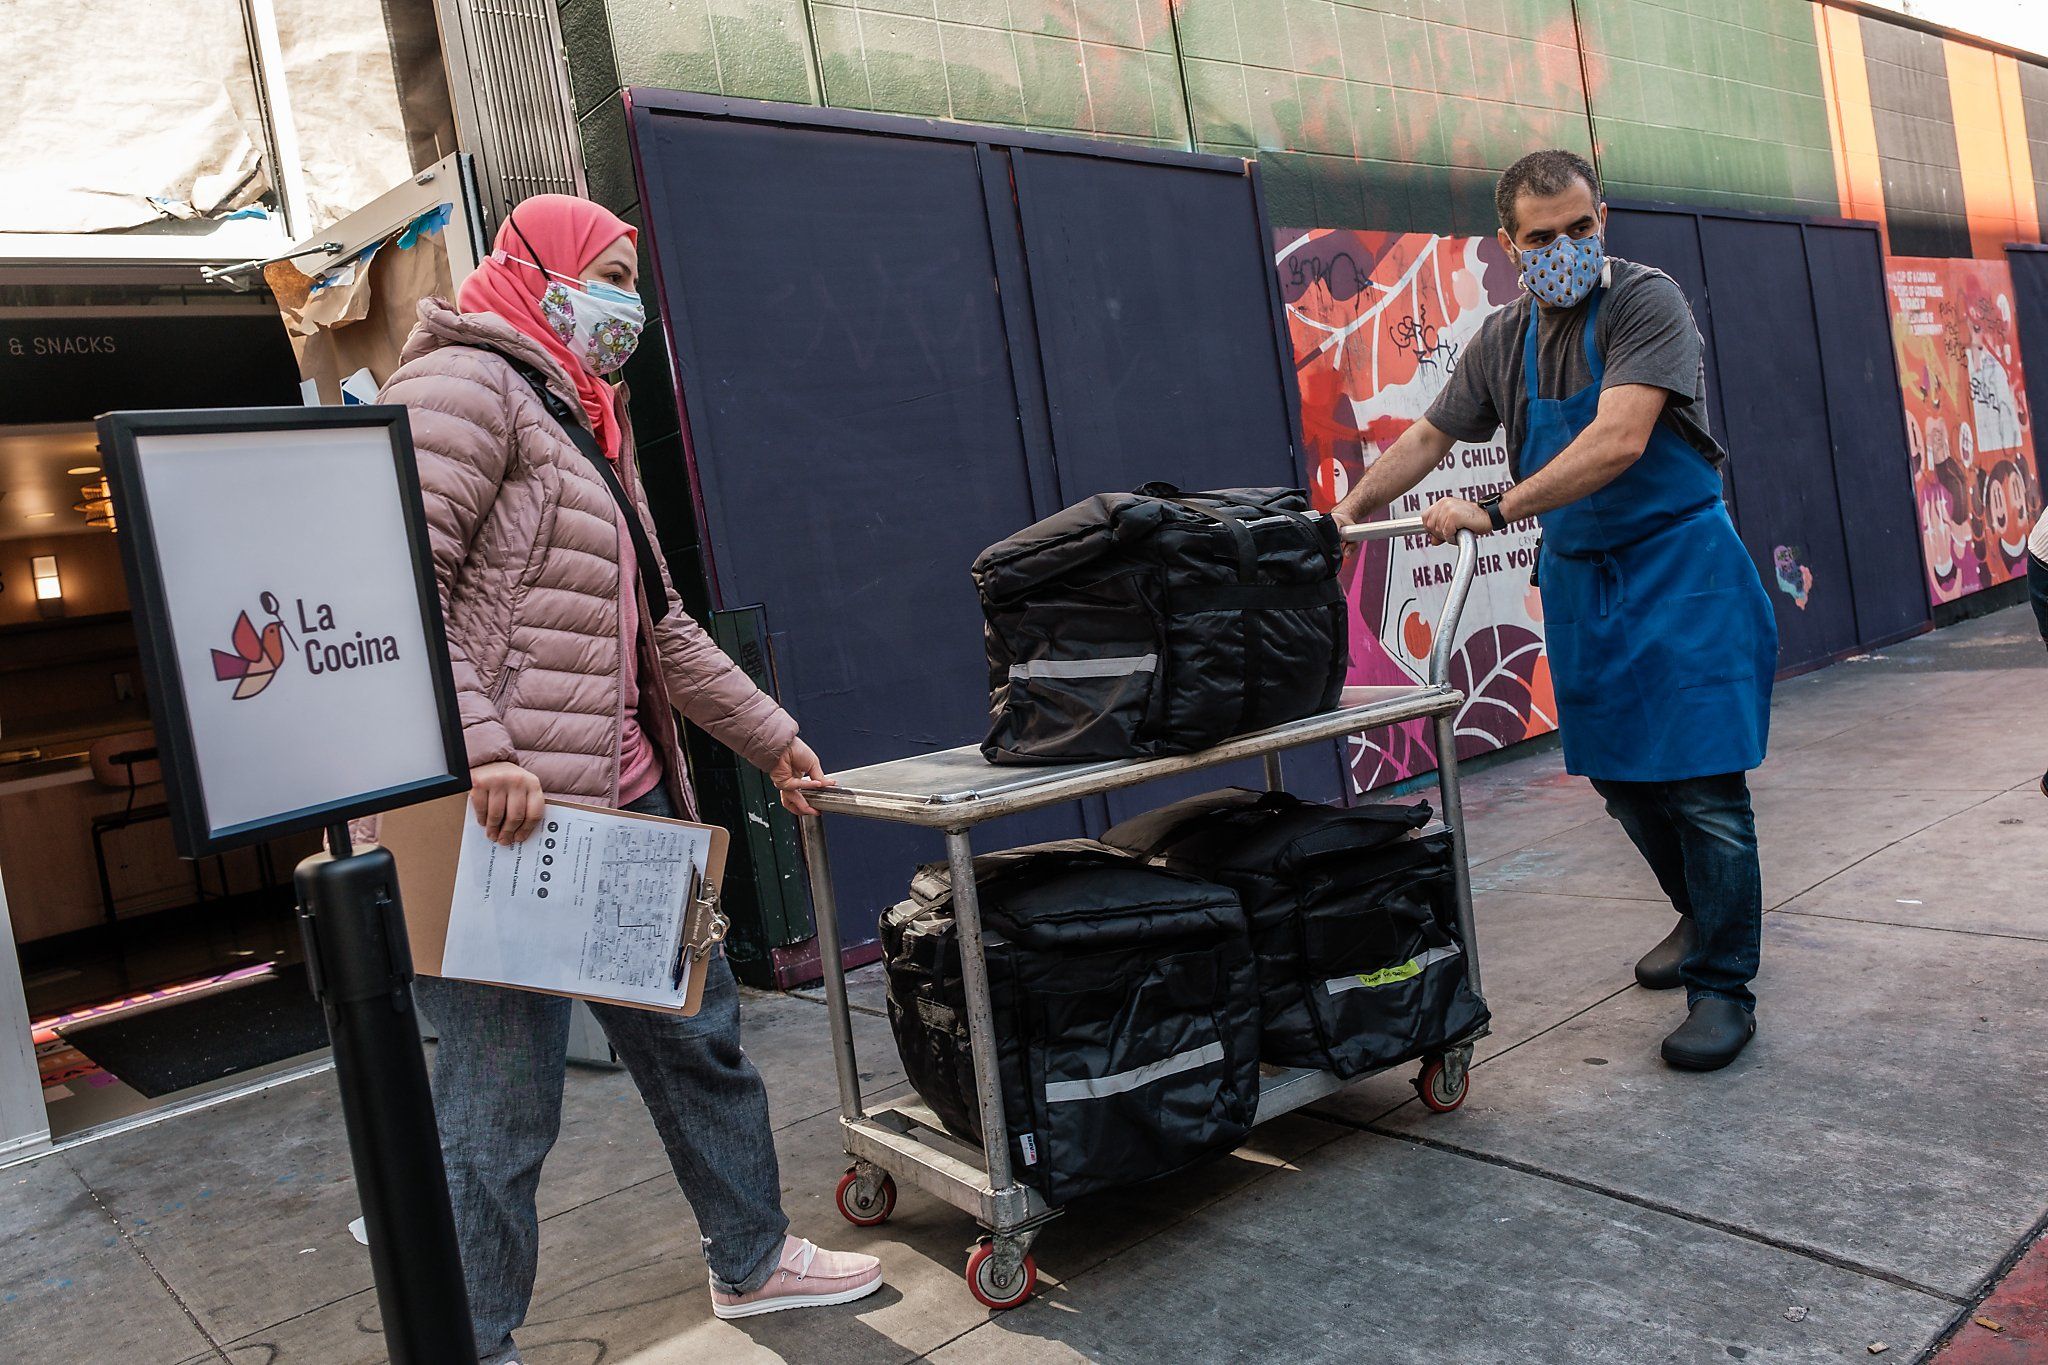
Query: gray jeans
498	1074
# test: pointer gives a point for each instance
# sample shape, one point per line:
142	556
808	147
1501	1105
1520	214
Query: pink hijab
564	234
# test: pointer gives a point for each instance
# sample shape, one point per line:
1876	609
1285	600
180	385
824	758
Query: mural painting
1967	423
1377	321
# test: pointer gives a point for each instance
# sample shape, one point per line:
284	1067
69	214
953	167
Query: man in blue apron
1662	642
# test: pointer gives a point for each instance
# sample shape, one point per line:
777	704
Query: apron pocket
1695	639
1576	650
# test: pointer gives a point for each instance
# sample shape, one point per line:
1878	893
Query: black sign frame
192	830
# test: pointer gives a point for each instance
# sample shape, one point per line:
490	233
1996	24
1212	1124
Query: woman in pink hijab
572	658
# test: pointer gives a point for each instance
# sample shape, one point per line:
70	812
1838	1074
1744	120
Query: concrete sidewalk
1861	1176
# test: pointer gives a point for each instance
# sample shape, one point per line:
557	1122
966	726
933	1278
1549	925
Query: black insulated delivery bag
1353	918
1126	1013
1138	625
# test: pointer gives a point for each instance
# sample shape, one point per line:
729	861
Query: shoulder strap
1532	375
1596	361
1532	378
581	437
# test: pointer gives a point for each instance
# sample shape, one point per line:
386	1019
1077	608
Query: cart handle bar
1454	602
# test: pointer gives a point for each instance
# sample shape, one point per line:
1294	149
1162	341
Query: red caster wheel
1443	1087
864	1213
992	1292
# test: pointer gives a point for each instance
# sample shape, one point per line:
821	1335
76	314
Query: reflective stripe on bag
1099	1087
1119	667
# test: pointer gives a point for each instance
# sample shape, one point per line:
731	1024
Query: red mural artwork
1377	321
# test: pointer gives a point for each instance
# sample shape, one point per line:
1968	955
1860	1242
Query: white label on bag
1029	1142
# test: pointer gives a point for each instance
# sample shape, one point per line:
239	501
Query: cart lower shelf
904	1138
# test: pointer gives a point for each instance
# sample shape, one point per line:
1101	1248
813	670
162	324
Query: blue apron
1661	638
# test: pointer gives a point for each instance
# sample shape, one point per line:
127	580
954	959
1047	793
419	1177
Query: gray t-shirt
1646	335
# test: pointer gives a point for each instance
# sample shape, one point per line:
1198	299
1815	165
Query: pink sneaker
808	1277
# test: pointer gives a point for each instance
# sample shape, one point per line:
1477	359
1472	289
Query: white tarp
345	98
126	112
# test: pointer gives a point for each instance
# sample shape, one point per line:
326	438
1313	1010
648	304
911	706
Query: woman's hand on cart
796	772
507	800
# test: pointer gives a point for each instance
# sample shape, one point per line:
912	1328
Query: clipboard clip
707	923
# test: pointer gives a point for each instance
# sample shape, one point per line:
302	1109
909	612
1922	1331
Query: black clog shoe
1713	1035
1658	970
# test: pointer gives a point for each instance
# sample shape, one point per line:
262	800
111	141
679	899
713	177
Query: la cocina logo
260	653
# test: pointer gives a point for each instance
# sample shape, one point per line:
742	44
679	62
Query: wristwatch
1492	509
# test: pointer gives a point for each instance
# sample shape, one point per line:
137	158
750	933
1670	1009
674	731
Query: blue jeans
1699	837
498	1075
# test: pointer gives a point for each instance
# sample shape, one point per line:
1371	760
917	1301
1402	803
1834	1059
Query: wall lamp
49	587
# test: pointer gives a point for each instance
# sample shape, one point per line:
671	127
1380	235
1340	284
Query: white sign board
286	605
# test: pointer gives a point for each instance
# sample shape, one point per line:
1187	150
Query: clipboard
426	842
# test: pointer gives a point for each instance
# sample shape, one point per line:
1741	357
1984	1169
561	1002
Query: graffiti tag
1415	334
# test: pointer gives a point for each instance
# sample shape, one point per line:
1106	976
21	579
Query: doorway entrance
147	982
144	979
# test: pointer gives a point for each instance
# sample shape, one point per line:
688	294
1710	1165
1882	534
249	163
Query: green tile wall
754	49
1394	114
1713	102
1106	67
1372	113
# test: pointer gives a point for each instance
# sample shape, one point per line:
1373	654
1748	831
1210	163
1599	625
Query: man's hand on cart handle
1448	516
796	772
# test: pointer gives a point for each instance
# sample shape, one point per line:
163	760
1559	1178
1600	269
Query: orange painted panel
2019	156
1981	142
1859	175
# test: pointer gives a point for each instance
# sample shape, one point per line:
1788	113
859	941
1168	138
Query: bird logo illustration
258	654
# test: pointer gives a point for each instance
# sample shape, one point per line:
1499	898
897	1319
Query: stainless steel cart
956	790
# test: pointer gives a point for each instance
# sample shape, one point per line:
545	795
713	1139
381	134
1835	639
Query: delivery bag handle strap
652	584
1240	535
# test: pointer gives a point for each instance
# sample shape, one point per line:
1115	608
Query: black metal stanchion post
360	967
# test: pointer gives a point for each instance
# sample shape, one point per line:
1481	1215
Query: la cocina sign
259	652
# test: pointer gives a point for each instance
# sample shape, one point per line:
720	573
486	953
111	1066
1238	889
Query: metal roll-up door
509	82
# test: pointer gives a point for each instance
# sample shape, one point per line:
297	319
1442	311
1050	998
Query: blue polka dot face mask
1564	270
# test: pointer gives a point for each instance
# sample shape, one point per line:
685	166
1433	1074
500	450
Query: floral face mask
600	323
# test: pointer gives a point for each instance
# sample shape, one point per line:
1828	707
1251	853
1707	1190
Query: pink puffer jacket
527	545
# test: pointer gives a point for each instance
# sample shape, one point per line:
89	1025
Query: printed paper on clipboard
594	904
